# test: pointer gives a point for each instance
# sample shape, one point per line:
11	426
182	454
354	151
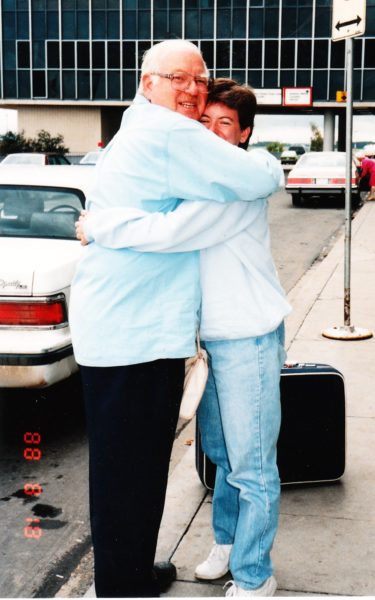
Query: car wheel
296	200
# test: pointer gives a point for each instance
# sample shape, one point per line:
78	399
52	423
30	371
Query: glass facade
92	49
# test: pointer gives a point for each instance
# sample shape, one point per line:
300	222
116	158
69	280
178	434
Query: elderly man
134	315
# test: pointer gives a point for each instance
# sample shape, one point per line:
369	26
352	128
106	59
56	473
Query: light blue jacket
130	307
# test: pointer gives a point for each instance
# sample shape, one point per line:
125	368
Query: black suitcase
311	445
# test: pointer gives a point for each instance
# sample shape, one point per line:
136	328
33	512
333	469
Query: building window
287	54
207	49
98	55
369	85
83	55
39	84
53	55
222	55
238	54
336	82
255	55
23	84
128	54
114	85
271	52
10	84
69	30
83	84
304	54
256	23
53	83
69	85
68	58
23	55
320	84
113	55
129	80
320	54
83	24
338	55
98	85
22	25
370	54
39	58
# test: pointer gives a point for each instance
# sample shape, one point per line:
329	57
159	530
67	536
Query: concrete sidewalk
326	539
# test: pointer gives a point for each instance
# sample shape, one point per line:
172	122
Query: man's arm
202	166
191	226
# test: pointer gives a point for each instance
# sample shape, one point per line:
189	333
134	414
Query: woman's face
224	121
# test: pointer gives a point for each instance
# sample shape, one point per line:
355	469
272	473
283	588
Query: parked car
35	158
320	174
38	209
298	149
91	158
289	157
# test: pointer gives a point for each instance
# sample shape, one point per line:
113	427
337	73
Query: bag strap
198	342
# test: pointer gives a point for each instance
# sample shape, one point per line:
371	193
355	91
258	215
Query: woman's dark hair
238	97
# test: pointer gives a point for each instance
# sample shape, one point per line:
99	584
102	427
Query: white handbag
196	373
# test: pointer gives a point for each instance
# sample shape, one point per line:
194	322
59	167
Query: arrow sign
348	18
354	21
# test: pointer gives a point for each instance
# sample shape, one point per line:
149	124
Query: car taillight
300	180
341	180
17	312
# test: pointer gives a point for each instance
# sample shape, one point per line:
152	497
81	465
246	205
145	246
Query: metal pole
348	184
348	331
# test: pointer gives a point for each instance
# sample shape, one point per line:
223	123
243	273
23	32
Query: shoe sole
207	578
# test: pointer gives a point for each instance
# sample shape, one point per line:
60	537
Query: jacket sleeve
202	166
191	226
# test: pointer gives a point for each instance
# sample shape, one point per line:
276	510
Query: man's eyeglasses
181	81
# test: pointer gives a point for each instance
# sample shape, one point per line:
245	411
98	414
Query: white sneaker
267	589
216	564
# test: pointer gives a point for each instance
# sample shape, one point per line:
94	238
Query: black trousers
131	413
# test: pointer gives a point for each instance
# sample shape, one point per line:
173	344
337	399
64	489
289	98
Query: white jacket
241	293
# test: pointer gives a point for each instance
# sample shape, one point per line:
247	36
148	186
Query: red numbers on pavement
32	530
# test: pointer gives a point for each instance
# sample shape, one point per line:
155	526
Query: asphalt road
44	528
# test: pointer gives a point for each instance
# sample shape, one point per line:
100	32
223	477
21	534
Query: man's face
223	121
190	102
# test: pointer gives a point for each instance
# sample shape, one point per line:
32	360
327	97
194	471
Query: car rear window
322	160
38	212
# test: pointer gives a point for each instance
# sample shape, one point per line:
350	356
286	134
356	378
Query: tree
44	142
316	142
14	142
275	147
11	143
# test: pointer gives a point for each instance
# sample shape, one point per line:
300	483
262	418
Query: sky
277	128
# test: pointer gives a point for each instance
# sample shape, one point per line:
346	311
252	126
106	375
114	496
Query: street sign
341	96
297	96
268	96
348	19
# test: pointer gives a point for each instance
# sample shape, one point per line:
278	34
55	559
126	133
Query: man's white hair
153	57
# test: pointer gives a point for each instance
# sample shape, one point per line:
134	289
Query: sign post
348	21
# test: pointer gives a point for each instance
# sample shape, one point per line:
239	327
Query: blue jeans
239	419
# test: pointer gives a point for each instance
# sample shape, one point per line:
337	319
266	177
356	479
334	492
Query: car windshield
38	212
91	158
320	159
24	159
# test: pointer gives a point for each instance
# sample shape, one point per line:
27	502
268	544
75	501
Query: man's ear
245	133
147	84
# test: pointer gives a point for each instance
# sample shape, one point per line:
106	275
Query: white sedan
318	174
39	250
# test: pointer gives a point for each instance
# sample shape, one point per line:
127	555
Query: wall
80	126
